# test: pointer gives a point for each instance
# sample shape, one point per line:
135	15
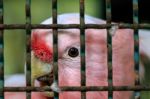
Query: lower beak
46	79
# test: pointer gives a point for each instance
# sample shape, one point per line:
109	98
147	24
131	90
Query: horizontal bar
82	88
67	26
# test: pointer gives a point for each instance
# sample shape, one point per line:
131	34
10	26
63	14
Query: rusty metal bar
81	88
55	45
1	52
136	45
68	26
109	56
136	38
82	47
28	51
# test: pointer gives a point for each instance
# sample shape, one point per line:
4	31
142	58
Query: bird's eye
73	52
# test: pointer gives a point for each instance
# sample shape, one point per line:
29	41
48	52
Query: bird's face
69	68
68	56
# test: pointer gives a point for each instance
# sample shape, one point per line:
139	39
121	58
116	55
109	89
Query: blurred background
14	13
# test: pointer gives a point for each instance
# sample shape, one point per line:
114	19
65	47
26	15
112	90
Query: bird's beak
42	73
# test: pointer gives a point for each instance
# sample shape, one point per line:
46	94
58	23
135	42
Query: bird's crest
40	49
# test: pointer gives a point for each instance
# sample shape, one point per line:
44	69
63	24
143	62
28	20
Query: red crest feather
40	49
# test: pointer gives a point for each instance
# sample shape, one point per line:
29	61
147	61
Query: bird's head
68	52
69	69
42	52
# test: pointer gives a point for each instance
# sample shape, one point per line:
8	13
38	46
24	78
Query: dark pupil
73	52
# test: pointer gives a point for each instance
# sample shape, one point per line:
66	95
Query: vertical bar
28	57
136	45
55	45
109	42
1	53
82	46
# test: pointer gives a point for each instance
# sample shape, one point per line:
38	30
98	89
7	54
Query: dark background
122	11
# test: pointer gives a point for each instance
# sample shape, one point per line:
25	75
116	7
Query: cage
82	26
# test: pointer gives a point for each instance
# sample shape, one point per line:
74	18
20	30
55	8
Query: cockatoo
69	59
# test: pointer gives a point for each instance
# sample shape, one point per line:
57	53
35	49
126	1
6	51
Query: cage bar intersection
82	26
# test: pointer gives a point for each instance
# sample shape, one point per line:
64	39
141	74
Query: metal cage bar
109	48
28	50
82	88
82	47
1	52
69	26
136	45
55	45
